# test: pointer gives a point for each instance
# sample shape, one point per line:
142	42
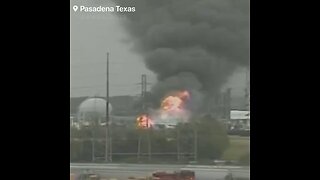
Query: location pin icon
75	8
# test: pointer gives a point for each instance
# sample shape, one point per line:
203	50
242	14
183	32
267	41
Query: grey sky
92	35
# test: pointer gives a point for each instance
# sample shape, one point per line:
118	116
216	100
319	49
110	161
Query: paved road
123	171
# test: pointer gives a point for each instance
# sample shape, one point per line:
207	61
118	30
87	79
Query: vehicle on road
85	176
177	175
231	176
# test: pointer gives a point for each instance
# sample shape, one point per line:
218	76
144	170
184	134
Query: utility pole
143	84
93	140
110	142
144	109
228	104
93	128
107	109
93	150
143	91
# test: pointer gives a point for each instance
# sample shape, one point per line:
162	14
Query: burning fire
173	106
172	110
171	103
175	103
144	121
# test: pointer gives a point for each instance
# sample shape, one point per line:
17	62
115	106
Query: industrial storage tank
93	110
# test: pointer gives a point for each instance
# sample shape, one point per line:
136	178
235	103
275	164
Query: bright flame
144	121
172	111
171	103
173	107
175	102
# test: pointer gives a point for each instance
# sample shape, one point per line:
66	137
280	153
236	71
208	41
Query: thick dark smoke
190	44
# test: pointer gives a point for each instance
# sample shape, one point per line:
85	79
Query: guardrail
149	166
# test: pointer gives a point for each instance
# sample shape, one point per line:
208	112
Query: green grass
239	146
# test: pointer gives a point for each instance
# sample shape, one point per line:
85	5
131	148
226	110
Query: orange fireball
175	102
144	121
171	103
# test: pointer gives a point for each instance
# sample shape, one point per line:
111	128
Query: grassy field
239	146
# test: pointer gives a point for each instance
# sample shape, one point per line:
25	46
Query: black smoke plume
190	44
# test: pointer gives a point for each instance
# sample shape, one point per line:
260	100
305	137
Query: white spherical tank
93	109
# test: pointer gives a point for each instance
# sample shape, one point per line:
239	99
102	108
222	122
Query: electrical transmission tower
144	84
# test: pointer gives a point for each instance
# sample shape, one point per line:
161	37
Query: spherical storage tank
93	109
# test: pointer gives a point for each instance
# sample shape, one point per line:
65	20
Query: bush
213	139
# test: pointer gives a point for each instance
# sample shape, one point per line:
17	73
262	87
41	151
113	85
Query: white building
240	118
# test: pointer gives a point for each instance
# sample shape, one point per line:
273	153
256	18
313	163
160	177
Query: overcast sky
92	36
